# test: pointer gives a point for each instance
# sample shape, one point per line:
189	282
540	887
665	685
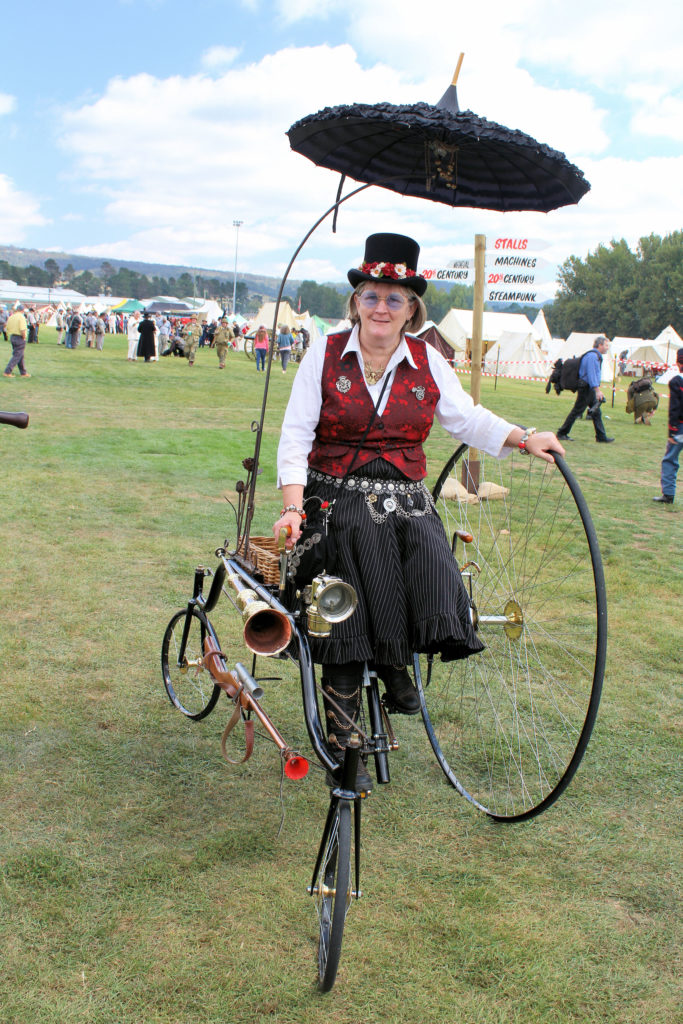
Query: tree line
619	292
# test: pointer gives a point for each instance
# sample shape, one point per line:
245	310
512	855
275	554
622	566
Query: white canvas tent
650	352
516	355
285	315
456	327
542	331
577	343
672	340
619	344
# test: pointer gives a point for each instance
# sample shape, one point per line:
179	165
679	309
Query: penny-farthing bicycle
508	726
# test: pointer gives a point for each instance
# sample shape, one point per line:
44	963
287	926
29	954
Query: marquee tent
433	336
516	355
651	352
456	327
618	345
672	340
285	315
129	306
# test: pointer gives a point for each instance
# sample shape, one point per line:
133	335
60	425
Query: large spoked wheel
249	348
333	896
189	685
510	725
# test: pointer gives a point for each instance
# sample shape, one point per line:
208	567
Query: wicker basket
264	555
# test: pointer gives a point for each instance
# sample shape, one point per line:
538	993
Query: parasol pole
472	463
457	69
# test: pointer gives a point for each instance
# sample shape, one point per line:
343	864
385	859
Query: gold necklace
373	376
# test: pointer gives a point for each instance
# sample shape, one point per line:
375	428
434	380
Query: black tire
333	896
509	726
189	685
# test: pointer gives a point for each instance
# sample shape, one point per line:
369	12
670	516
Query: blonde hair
412	326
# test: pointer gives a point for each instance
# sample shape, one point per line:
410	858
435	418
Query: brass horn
266	631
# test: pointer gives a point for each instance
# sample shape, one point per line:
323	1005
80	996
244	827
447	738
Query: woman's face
384	309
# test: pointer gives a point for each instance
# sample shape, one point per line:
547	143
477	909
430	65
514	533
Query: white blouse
455	410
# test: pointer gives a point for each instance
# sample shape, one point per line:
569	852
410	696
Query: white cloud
177	159
18	211
7	103
217	57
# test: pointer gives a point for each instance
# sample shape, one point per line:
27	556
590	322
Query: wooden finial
457	70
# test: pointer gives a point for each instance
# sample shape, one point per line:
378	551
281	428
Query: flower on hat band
396	271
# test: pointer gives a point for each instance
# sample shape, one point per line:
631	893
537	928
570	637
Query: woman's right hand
290	521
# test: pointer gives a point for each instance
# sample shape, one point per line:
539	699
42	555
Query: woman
284	346
391	545
147	330
261	347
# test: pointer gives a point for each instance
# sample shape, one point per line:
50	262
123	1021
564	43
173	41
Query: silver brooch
389	505
419	392
343	384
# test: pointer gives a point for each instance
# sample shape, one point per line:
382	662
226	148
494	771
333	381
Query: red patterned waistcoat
396	436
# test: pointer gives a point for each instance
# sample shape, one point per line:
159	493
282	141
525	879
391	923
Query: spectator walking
284	346
90	325
588	393
191	337
133	336
73	329
261	347
100	331
222	340
60	324
17	329
32	326
675	440
147	329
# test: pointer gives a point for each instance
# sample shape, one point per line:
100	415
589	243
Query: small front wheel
333	895
189	685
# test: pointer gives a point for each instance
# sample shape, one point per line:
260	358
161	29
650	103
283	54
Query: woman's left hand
541	444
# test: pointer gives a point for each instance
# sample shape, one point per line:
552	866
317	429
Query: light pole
236	224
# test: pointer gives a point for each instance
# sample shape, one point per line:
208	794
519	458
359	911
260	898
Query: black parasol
439	153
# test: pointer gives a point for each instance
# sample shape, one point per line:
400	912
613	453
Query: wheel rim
189	685
510	725
333	896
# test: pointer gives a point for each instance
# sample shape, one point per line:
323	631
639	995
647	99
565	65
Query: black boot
342	687
402	695
664	499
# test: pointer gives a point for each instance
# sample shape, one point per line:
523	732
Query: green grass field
144	881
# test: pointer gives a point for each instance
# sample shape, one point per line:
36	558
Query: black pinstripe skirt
397	557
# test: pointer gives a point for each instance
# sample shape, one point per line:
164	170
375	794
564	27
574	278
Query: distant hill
258	283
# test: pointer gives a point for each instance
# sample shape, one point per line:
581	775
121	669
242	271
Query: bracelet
524	438
293	508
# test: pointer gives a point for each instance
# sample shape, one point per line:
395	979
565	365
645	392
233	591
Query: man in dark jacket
675	439
588	394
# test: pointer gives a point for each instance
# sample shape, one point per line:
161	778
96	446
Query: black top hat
391	259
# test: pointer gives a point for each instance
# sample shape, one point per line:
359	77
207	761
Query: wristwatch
524	438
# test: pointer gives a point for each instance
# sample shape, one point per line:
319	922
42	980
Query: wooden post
471	464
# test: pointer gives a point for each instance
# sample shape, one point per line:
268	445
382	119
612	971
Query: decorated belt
380	495
369	485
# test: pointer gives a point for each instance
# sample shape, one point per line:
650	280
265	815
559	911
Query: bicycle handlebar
15	419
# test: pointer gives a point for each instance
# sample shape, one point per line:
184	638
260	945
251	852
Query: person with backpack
674	443
642	400
588	393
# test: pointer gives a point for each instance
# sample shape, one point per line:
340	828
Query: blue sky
141	129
